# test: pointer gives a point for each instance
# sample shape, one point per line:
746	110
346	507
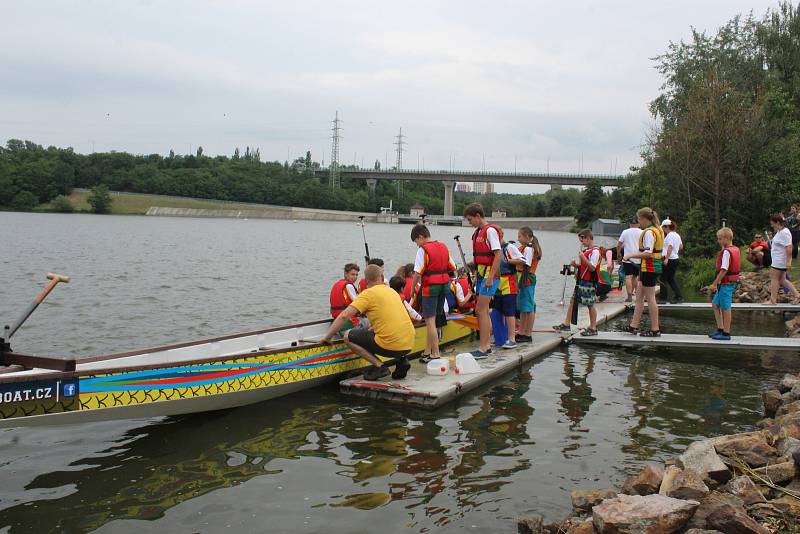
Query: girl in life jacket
526	281
651	244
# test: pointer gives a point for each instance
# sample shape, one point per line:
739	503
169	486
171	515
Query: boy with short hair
588	263
507	291
728	266
486	250
434	268
362	284
398	283
343	293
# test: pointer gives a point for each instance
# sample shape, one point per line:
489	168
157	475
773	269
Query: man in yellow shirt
391	334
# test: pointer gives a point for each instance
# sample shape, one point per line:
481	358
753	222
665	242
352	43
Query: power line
336	137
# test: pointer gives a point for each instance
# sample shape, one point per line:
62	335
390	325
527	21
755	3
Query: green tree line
31	174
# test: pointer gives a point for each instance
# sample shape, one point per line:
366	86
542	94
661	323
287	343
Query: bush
24	201
61	204
99	199
699	271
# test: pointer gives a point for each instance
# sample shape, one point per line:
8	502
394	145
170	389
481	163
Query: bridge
449	179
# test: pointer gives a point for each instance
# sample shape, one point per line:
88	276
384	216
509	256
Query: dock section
737	306
692	341
423	390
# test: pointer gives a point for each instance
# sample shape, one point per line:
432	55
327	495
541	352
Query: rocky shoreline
739	483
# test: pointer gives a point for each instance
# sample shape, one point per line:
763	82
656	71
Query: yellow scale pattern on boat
95	400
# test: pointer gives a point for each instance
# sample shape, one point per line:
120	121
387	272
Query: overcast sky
568	81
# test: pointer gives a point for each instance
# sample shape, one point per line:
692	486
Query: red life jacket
408	288
586	274
340	298
733	268
481	250
464	283
362	284
437	267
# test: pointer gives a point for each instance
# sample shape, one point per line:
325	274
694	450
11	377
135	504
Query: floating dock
693	341
737	306
423	390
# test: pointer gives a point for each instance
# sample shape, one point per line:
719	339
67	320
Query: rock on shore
741	483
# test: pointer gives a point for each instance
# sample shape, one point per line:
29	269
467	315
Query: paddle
364	234
464	261
54	280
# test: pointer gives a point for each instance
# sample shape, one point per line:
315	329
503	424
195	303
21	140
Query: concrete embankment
277	212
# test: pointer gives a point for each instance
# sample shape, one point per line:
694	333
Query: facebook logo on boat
69	390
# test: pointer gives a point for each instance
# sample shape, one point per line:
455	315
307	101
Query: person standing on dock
486	250
526	282
588	265
673	246
729	264
629	244
434	269
781	260
651	245
391	333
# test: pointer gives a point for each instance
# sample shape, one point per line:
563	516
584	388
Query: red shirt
755	244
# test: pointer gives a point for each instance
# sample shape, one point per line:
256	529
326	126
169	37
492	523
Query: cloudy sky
558	84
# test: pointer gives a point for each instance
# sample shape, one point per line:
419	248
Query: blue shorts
483	291
723	298
433	306
505	304
525	299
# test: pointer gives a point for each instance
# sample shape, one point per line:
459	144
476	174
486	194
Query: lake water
318	461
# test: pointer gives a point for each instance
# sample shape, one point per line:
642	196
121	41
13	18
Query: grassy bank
699	272
132	204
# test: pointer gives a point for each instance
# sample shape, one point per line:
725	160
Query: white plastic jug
438	367
466	364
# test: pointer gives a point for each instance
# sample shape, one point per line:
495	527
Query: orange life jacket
340	298
437	264
481	250
733	268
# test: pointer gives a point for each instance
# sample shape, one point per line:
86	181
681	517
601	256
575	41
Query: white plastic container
466	364
438	367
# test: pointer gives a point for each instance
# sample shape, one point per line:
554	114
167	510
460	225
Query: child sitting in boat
343	293
398	283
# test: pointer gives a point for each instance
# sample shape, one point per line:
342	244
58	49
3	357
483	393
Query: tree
591	203
99	199
61	204
24	201
199	152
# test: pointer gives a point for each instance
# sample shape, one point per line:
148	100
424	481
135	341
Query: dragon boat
205	375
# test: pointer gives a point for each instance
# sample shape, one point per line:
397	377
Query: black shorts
631	269
648	279
366	339
783	270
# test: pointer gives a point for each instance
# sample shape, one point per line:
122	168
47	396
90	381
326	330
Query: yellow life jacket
652	264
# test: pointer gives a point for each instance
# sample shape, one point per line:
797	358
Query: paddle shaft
54	280
364	235
464	260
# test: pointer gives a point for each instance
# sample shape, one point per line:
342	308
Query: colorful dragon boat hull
202	376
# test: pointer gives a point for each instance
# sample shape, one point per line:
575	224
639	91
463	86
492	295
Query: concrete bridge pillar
556	187
372	183
449	187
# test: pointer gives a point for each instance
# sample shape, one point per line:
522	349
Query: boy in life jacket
460	295
362	284
398	283
486	250
507	291
343	293
588	264
729	263
434	267
526	282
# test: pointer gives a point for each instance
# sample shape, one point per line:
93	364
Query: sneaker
509	344
480	355
721	336
401	369
562	327
714	333
660	302
375	373
523	339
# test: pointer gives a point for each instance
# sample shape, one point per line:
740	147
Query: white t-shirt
513	253
528	256
594	257
781	240
493	238
726	260
675	240
415	316
630	243
351	290
648	242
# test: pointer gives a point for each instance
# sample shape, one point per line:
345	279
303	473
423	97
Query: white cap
666	222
